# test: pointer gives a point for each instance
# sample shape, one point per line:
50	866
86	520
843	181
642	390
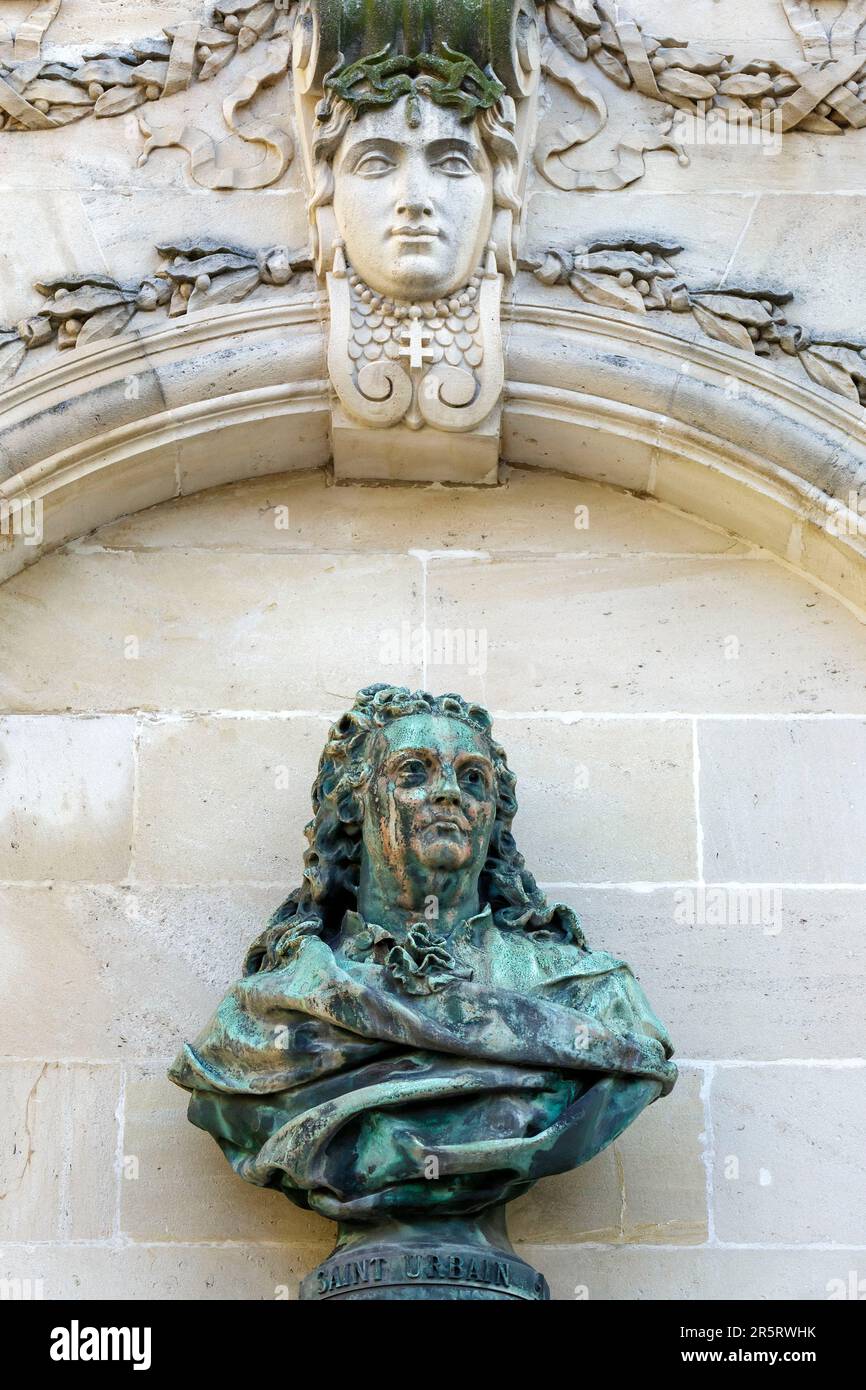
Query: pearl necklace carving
408	309
405	309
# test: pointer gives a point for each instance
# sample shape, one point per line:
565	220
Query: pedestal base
441	1259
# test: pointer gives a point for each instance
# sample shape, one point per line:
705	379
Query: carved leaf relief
826	94
85	309
753	321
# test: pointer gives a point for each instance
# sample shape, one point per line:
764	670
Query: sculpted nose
414	205
413	197
447	790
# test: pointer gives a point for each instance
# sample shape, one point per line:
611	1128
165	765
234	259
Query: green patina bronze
419	1036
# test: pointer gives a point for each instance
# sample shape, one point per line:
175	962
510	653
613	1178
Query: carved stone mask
413	199
430	803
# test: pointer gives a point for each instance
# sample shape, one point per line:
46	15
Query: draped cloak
394	1073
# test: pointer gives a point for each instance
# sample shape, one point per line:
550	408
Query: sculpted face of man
430	809
413	202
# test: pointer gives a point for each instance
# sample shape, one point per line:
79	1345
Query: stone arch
238	394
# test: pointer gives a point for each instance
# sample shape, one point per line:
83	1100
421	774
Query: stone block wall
686	718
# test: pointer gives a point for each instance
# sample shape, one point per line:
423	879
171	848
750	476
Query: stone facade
672	562
171	752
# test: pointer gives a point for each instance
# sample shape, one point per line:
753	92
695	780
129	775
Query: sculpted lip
408	233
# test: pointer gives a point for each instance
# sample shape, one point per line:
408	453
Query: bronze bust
418	1035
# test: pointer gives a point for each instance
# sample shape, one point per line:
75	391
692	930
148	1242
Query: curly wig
332	860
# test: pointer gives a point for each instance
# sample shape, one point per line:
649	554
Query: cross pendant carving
418	343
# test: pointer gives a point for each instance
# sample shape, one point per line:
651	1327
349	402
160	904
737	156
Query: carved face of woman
413	203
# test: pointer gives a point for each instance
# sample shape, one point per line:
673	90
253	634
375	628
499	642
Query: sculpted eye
455	164
473	778
412	772
372	164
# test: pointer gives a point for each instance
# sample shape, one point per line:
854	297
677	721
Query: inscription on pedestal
465	1269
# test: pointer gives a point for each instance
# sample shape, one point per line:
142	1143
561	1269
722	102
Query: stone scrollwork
637	276
416	363
824	94
39	95
25	44
417	123
42	95
822	42
274	134
84	309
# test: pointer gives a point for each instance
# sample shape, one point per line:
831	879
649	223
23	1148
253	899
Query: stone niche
167	794
614	494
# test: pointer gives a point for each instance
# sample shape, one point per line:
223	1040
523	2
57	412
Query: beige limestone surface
685	714
167	797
